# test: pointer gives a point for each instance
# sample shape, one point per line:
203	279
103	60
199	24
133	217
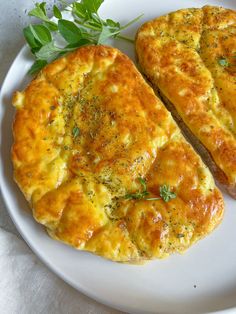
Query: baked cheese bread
190	57
87	128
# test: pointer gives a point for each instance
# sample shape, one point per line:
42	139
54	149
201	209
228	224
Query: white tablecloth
26	285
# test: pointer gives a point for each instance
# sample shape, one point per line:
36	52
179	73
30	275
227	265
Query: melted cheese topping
180	54
87	128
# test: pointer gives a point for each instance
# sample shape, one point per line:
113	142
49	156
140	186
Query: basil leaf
41	33
29	37
96	20
92	6
50	25
39	11
104	35
37	66
43	7
81	42
69	31
36	49
48	52
79	10
112	23
57	12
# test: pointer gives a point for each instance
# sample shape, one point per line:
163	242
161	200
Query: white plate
201	281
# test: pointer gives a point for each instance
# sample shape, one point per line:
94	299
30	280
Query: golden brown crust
180	54
85	130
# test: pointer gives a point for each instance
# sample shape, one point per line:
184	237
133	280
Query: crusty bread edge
218	173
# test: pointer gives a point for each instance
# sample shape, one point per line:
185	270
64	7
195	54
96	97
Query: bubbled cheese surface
181	54
86	128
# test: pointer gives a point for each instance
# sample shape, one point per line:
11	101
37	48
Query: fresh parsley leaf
143	183
75	131
166	194
223	62
57	12
37	66
69	31
140	194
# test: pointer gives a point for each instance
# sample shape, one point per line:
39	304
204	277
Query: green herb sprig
165	193
86	28
224	62
75	132
140	194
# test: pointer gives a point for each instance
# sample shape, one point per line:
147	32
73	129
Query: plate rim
27	240
31	245
37	252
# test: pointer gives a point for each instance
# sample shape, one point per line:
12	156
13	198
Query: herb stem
153	198
91	27
85	25
131	22
126	38
165	193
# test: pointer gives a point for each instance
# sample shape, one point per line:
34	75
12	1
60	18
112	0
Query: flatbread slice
91	143
190	58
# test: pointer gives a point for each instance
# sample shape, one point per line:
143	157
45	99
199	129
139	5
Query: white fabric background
26	285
